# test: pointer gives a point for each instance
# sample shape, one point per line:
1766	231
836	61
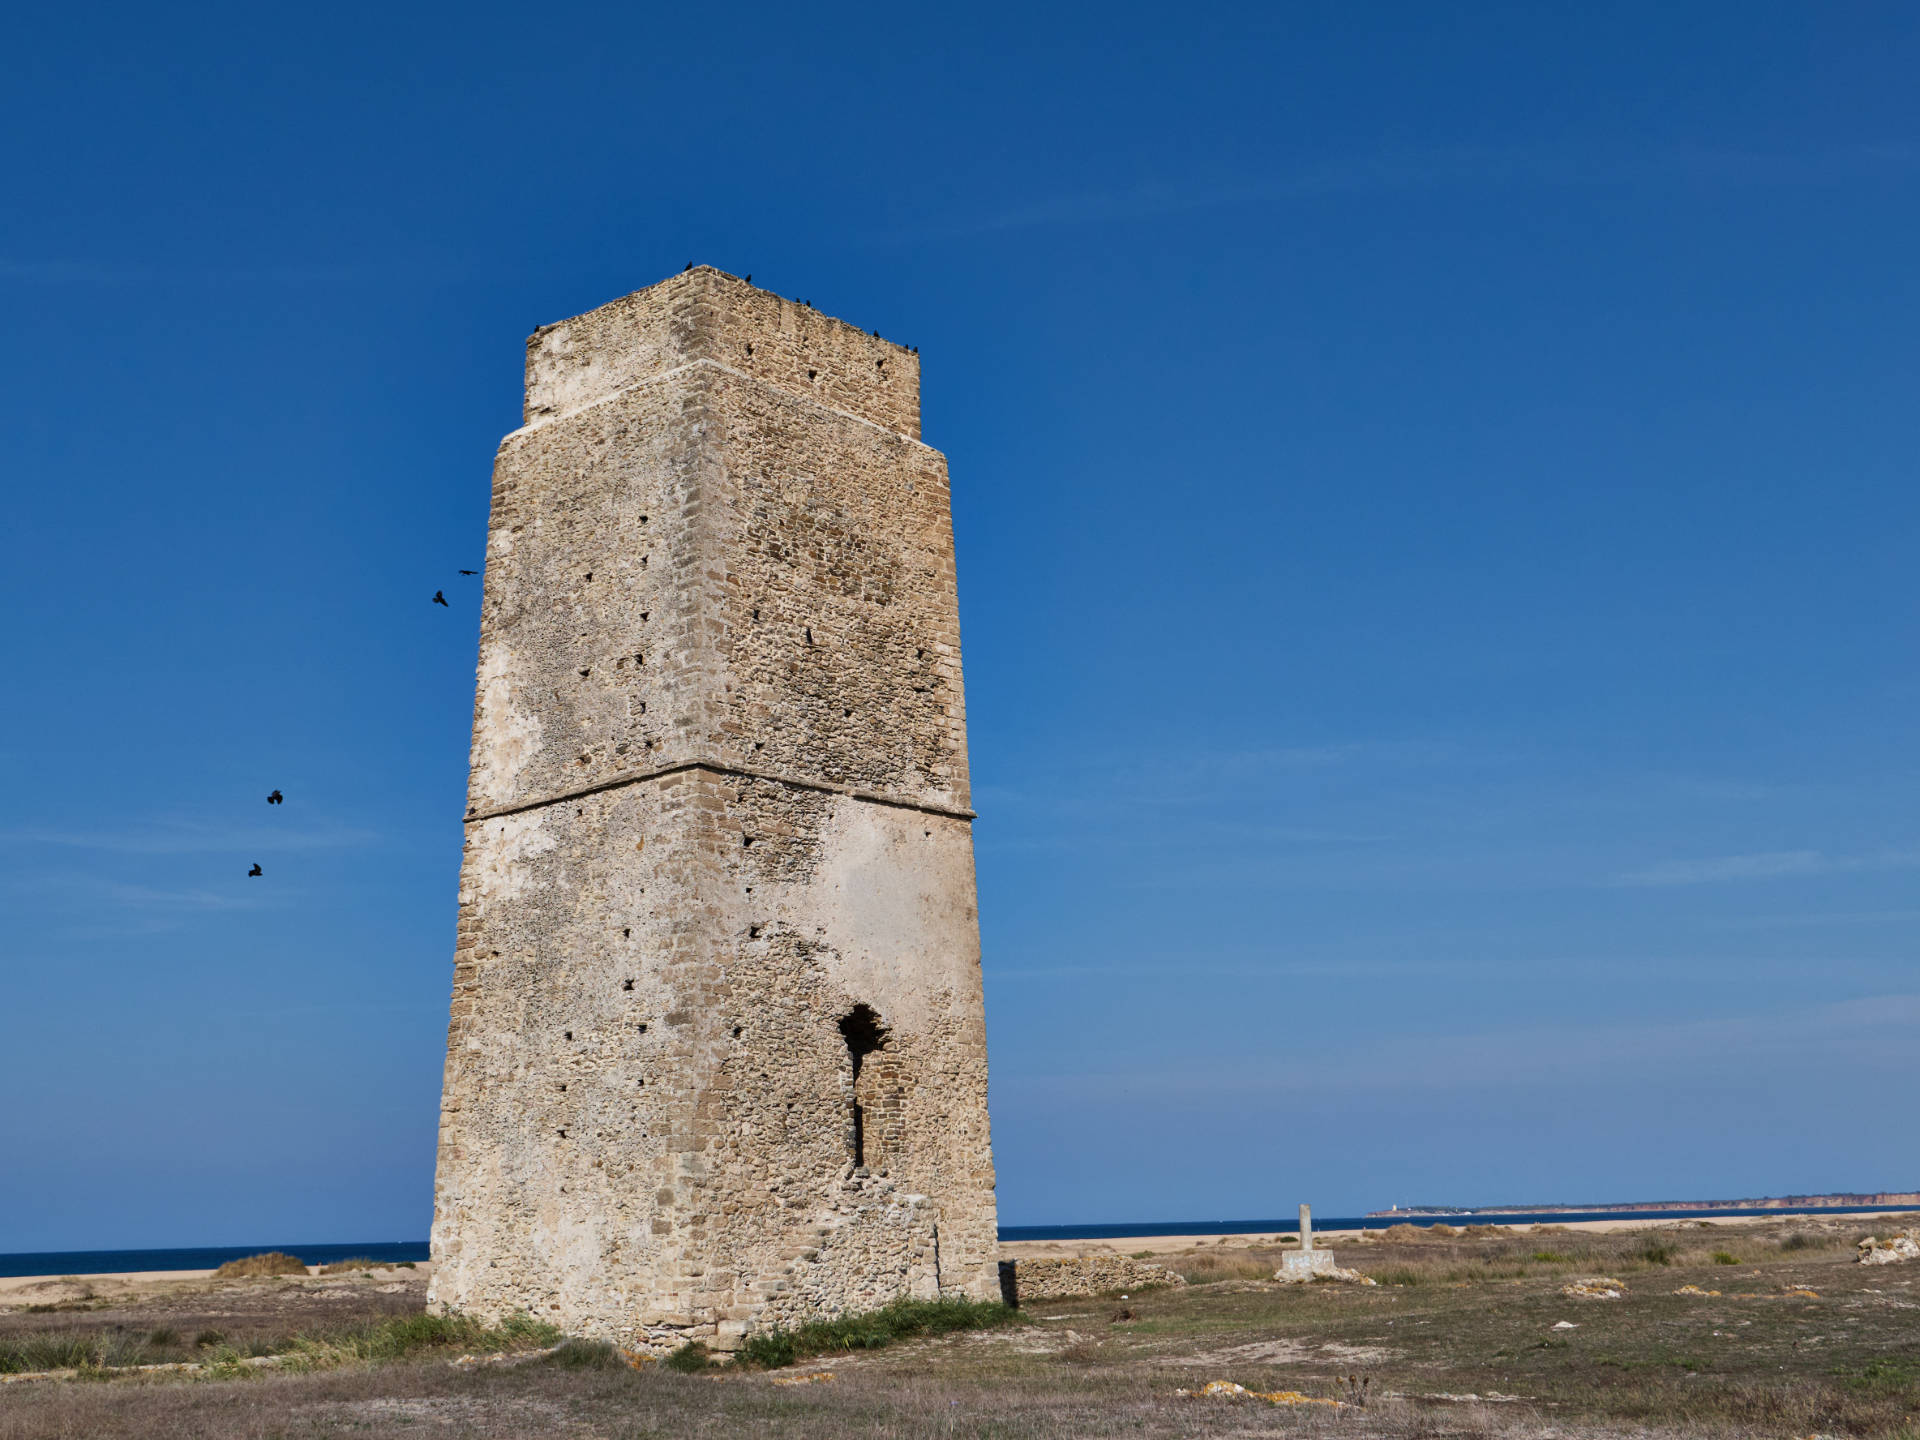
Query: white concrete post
1306	1228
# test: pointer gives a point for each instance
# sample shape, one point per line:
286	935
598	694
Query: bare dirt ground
1723	1331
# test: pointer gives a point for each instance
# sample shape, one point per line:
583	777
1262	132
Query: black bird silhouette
689	267
440	599
276	798
749	277
469	572
254	871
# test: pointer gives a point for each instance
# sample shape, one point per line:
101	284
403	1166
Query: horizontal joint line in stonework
545	420
870	796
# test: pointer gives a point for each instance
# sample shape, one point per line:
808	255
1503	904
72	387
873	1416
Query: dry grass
343	1267
1206	1267
273	1262
1798	1341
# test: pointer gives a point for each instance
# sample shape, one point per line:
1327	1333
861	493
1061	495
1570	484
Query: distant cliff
1770	1202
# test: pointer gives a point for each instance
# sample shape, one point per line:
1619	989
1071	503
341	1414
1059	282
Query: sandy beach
18	1291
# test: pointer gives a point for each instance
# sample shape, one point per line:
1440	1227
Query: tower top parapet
707	315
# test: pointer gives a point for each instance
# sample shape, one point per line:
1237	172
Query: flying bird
276	798
440	599
469	572
255	871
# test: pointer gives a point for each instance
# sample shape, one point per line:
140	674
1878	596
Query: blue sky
1435	508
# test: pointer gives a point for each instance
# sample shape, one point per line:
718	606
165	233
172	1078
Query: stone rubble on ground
1598	1287
1228	1388
1901	1246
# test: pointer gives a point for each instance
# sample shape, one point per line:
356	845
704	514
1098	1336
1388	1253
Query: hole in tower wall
865	1036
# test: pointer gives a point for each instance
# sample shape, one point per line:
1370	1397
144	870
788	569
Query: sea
107	1262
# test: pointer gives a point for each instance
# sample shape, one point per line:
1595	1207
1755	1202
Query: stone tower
717	1058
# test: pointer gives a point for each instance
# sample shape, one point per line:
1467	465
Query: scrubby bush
587	1355
273	1262
902	1320
689	1359
1657	1252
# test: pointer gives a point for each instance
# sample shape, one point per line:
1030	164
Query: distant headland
1631	1207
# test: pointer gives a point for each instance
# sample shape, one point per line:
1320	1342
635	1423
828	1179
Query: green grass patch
1725	1257
408	1334
22	1353
1883	1375
1552	1257
689	1359
1658	1360
902	1320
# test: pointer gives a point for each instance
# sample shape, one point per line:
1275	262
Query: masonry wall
718	801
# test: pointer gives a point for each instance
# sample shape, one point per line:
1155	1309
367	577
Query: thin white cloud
1762	865
1445	167
183	835
1874	1031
